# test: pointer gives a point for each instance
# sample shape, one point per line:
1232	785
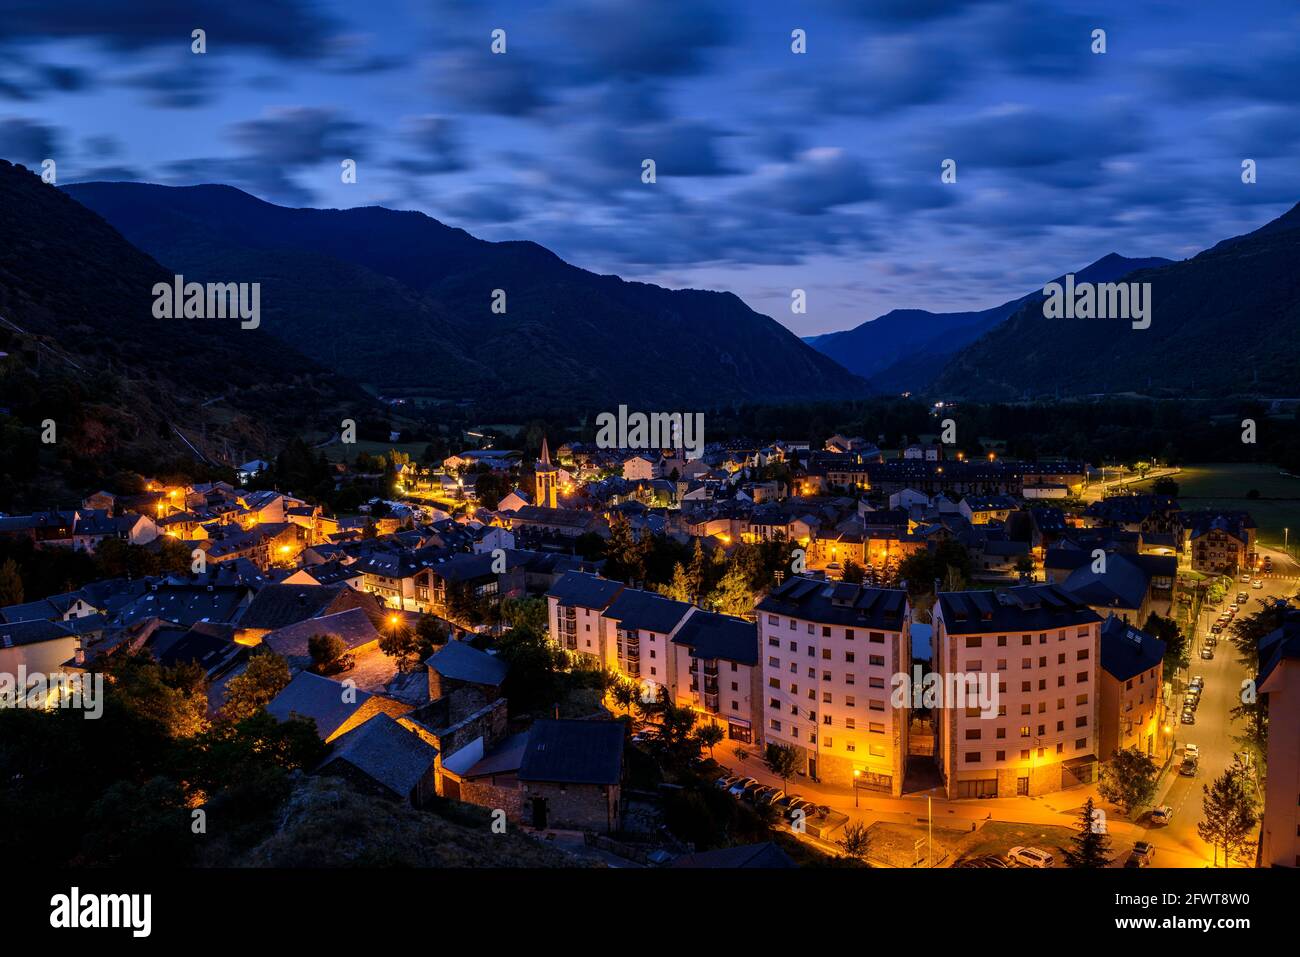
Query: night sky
775	170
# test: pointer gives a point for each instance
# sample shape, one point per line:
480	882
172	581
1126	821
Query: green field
1227	485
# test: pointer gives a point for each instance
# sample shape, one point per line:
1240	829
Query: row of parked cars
1019	856
759	794
1192	699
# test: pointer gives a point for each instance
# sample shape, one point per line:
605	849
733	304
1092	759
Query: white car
1030	857
1257	584
1191	751
1161	814
1198	681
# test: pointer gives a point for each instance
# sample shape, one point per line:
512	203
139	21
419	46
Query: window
774	682
826	631
849	701
1001	756
850	746
877	660
826	719
848	656
973	734
876	705
826	653
1002	641
876	727
826	676
850	723
972	757
1082	677
826	697
734	686
1083	654
775	725
875	682
876	637
1081	721
774	662
1024	730
849	678
1001	733
848	634
973	641
773	620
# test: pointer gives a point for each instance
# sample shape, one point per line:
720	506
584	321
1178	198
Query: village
617	640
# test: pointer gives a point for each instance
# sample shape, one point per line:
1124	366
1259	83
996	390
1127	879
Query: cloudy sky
775	170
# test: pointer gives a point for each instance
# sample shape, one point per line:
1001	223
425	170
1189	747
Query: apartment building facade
1132	685
829	653
715	672
1279	682
1039	644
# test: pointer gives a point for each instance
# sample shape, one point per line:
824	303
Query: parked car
1161	814
1198	682
770	797
1188	767
1189	716
1030	857
994	861
1142	855
726	782
740	786
1192	751
1246	578
751	790
1216	628
1257	584
1207	653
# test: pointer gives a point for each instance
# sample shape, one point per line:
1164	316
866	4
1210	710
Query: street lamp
856	775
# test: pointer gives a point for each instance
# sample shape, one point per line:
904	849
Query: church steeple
548	479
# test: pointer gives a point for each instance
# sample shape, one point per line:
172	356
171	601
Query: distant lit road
1098	490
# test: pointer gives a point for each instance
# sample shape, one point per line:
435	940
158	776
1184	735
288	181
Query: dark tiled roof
309	695
32	632
185	604
386	752
462	662
574	752
646	611
353	626
585	590
1022	608
838	603
711	635
276	606
1127	652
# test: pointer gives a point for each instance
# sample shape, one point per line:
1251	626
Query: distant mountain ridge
123	388
1224	323
905	349
404	302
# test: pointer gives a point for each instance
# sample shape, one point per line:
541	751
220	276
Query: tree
741	752
1167	630
783	761
734	595
710	735
1230	816
625	694
529	613
248	693
855	841
853	573
11	583
329	654
1092	844
1128	779
1165	486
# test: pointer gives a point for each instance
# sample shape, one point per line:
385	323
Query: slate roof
311	696
353	626
276	606
1123	584
585	590
1021	608
1127	651
837	603
710	635
185	604
386	752
463	662
14	634
574	752
646	611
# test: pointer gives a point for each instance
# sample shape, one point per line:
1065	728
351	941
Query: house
496	460
278	606
982	509
187	604
574	606
328	573
829	652
94	526
472	678
250	470
514	501
1122	587
1131	685
336	708
39	646
571	775
1279	683
353	626
641	468
381	755
1040	642
1220	543
715	672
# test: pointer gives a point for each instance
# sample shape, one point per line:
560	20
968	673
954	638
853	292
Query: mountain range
1224	323
906	349
404	304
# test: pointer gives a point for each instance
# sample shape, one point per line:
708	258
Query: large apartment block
574	606
1041	645
829	653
